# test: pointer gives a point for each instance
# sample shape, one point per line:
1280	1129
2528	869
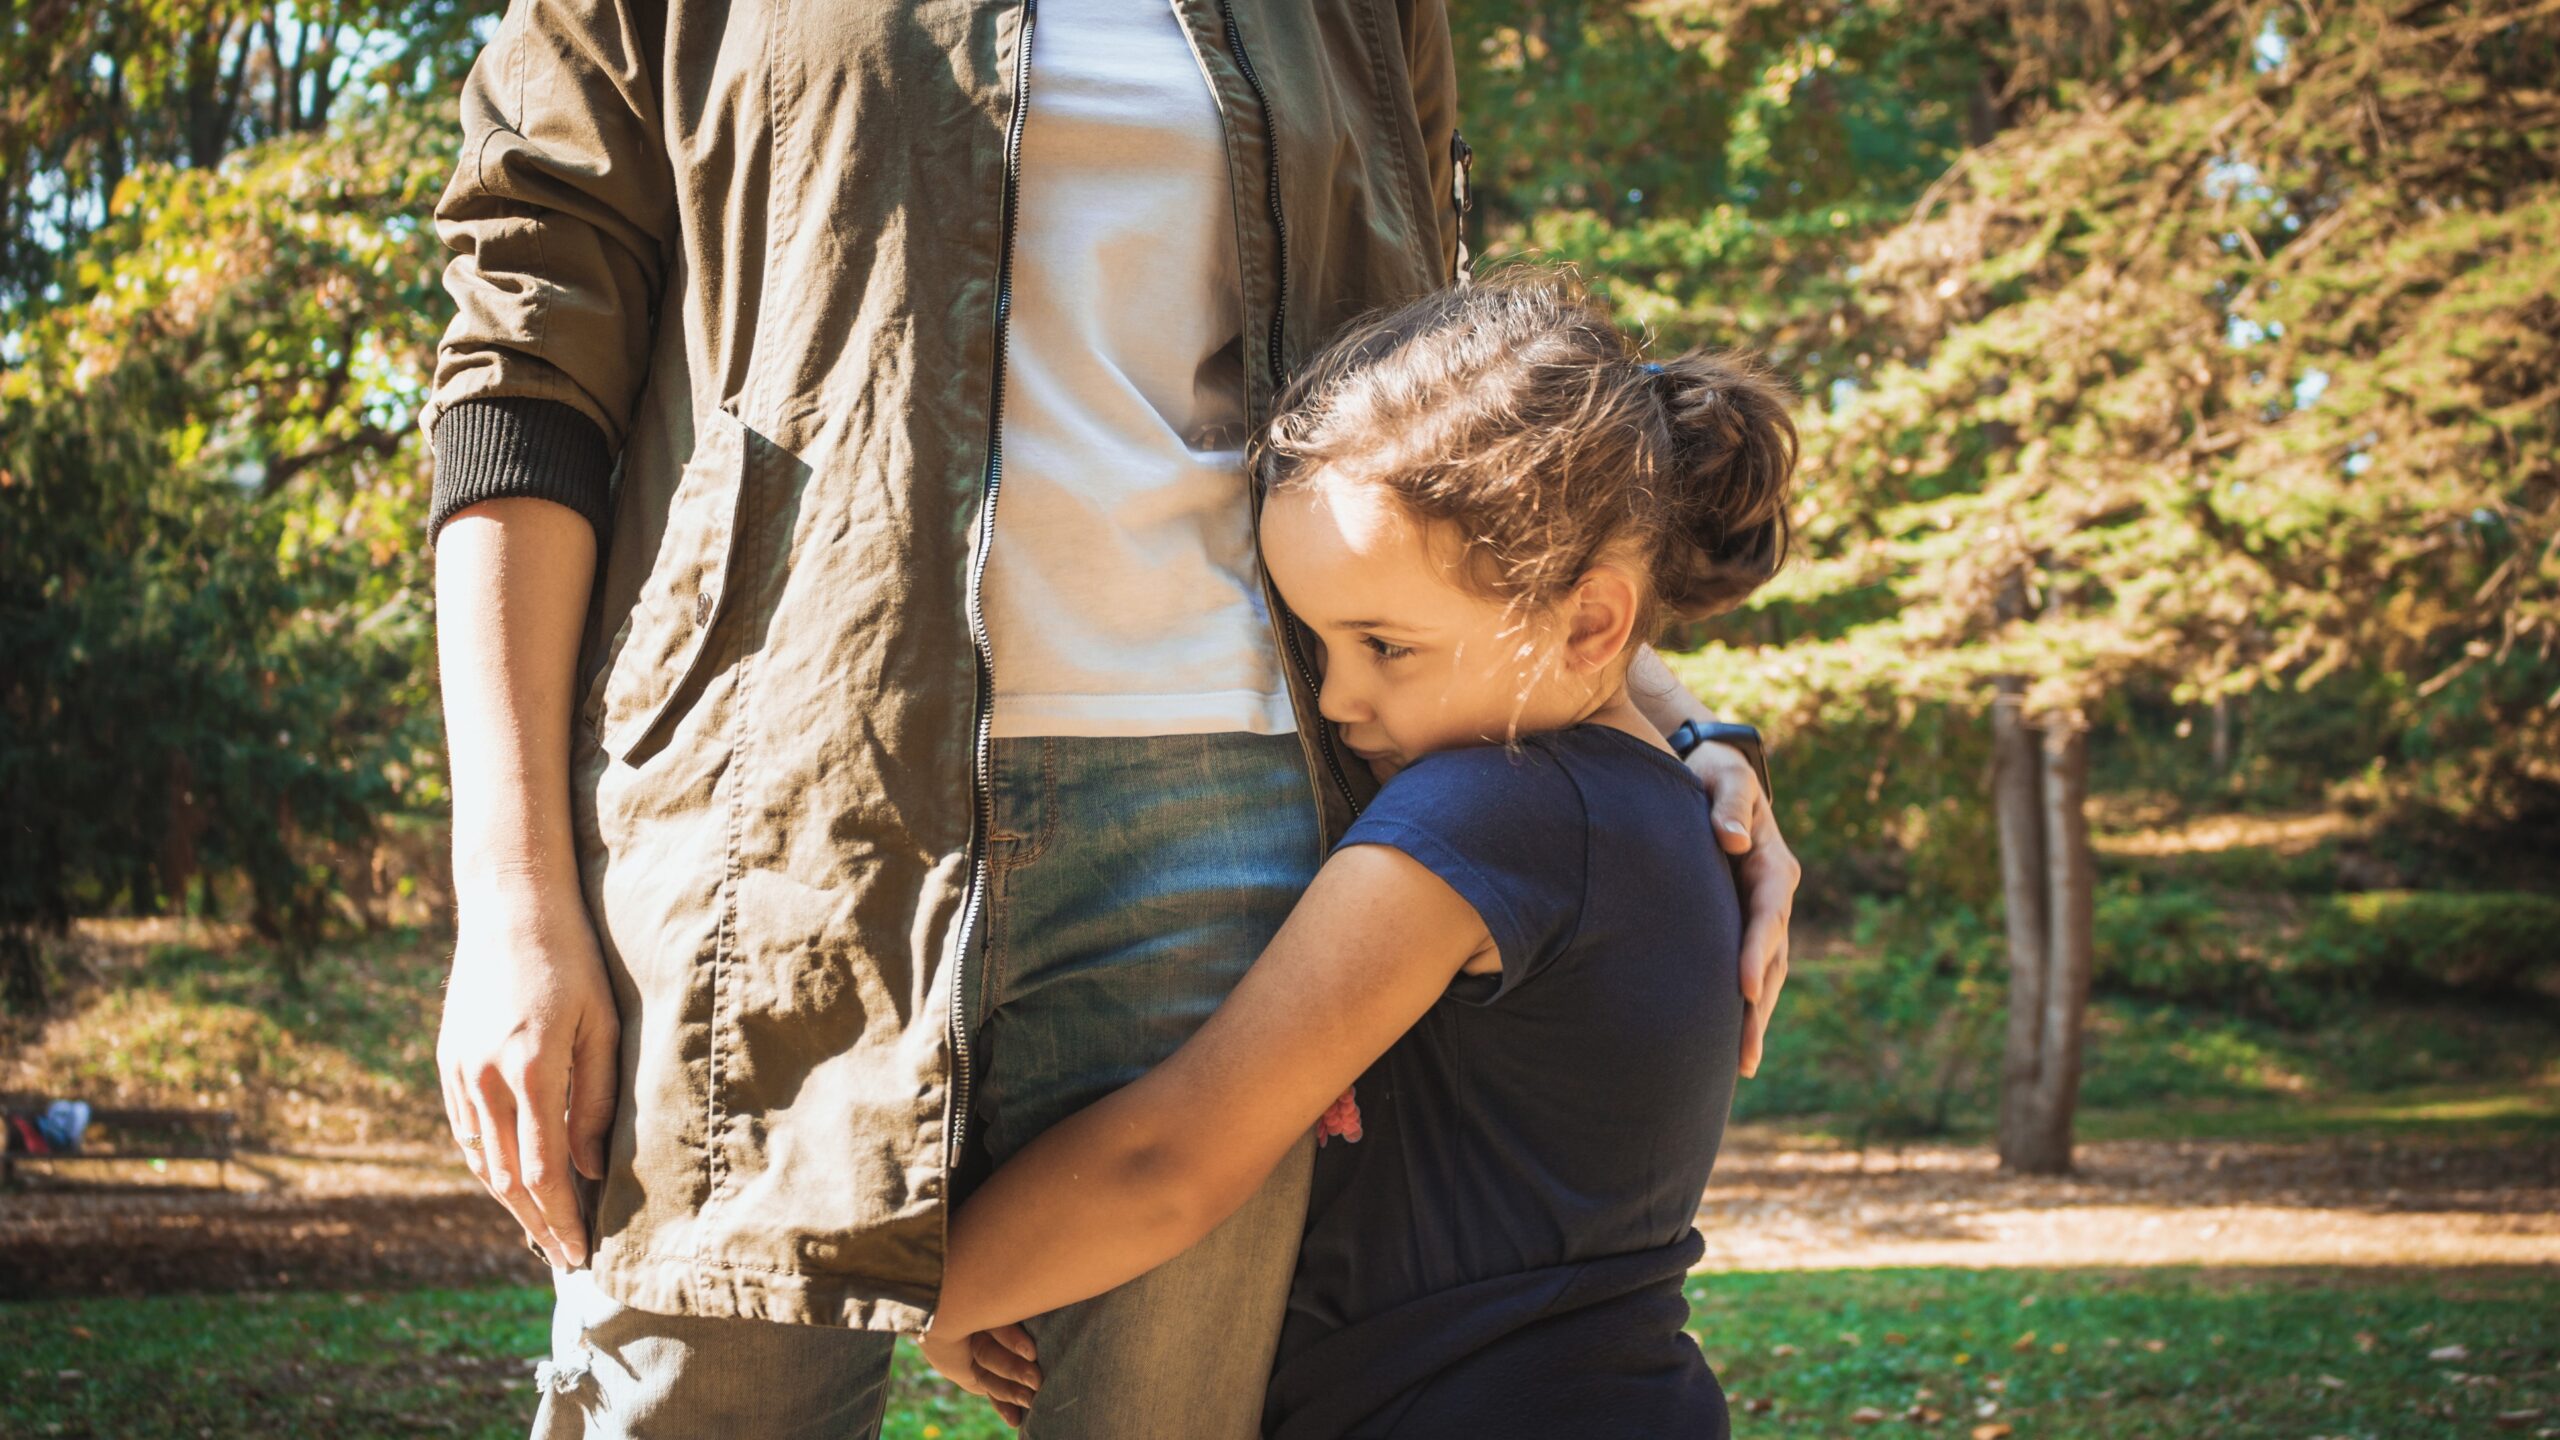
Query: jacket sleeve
1431	60
559	214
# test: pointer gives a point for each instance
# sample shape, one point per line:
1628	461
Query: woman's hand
527	1057
1001	1364
1746	826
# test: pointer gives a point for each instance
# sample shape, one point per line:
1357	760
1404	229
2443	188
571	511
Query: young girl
1524	952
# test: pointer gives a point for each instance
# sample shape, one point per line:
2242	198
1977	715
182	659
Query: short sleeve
1507	830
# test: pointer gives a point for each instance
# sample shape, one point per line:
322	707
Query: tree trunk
2017	803
21	970
2040	1144
2222	734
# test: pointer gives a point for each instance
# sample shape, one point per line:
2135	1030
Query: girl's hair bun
1732	454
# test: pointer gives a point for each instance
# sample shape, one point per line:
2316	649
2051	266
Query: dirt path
394	1217
1775	1206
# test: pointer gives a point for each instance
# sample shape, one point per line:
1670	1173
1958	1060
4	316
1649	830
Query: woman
788	891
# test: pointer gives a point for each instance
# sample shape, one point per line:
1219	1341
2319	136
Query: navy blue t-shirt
1501	1252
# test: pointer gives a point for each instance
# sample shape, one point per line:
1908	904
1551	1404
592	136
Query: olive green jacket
761	251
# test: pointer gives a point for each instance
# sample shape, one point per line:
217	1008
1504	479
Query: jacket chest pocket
663	640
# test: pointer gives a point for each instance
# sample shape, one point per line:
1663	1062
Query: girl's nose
1335	703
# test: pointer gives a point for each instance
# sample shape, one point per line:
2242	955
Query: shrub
1903	1039
2283	957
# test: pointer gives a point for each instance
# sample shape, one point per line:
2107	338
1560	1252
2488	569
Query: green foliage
1713	164
213	624
2292	958
1896	1042
2491	943
2227	345
103	90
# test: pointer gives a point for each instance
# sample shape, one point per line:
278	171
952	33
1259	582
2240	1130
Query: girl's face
1415	661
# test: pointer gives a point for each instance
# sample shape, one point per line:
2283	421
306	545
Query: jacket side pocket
663	639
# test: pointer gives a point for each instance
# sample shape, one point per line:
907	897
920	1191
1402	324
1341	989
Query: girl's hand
1746	826
1001	1364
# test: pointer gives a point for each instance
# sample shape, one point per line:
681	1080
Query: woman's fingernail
1735	826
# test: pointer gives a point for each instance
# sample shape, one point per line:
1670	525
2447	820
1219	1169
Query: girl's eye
1383	650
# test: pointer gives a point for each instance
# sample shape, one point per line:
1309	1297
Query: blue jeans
1132	881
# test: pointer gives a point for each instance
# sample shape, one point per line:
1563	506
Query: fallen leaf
1997	1430
1896	1337
1758	1405
2024	1343
2516	1419
2333	1382
2155	1346
2366	1340
1867	1415
1782	1351
2450	1352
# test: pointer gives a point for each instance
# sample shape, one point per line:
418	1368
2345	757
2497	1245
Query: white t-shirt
1122	594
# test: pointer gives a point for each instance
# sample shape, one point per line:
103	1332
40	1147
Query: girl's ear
1601	616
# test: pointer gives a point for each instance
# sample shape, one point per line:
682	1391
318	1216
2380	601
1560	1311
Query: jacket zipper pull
1464	196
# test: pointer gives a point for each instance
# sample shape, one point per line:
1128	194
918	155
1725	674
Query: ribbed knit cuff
517	445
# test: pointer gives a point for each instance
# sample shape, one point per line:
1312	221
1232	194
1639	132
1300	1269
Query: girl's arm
1137	1177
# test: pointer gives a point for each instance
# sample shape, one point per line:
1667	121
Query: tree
2227	353
214	640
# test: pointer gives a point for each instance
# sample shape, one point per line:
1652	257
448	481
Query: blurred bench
134	1134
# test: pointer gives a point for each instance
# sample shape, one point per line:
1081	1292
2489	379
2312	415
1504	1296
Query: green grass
350	1058
2100	1354
2231	1355
350	1366
2469	1114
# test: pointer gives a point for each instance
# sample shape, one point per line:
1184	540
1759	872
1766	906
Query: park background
2173	619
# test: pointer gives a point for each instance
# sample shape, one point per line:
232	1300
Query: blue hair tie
1653	367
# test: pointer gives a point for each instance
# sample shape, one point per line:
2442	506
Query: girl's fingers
1016	1339
1009	1376
997	1359
1012	1415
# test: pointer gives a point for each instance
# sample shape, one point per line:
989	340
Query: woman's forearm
1659	695
512	578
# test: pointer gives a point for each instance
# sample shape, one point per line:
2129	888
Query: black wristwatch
1744	738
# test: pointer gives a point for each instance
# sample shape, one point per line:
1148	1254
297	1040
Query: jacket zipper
1279	312
982	775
